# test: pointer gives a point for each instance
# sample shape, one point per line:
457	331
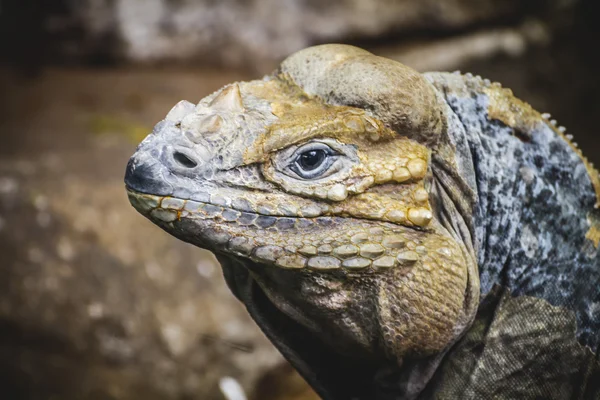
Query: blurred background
95	301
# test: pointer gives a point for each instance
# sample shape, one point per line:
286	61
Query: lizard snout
145	176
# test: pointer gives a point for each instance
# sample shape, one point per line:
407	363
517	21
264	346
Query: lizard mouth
340	243
169	209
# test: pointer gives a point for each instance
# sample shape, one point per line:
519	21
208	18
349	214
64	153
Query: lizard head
318	179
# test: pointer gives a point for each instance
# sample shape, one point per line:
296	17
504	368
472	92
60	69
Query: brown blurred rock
261	32
450	53
236	32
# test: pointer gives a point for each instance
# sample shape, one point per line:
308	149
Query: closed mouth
170	209
167	210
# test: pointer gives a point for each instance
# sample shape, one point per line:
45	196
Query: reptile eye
313	160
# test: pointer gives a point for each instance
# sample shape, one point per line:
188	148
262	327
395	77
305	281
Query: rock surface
258	32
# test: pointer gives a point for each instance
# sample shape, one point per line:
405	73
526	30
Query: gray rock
236	32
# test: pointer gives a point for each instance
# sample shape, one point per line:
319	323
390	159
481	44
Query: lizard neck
331	373
534	197
535	200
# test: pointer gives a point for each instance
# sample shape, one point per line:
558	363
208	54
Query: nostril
184	160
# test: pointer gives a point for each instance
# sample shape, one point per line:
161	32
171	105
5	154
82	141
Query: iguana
396	235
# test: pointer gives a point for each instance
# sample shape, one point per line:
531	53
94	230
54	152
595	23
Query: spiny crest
562	132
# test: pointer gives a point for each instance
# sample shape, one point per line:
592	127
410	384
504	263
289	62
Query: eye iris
312	159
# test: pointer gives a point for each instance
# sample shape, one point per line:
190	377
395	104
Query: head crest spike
212	123
229	100
196	126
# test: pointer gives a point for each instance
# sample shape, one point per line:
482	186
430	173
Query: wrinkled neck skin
535	205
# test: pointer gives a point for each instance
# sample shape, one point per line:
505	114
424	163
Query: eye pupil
311	159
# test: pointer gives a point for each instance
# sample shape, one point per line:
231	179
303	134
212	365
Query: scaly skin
376	256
